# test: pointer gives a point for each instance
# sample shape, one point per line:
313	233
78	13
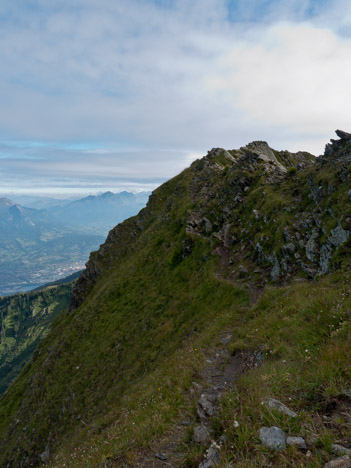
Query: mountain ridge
217	159
127	361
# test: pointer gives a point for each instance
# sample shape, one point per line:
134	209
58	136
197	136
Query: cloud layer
149	83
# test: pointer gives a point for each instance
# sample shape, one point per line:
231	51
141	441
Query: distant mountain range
39	202
42	245
101	213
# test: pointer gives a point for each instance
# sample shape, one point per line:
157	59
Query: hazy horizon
105	95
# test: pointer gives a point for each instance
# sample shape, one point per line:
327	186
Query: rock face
262	150
273	437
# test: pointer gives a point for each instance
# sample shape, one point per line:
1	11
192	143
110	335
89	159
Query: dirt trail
219	375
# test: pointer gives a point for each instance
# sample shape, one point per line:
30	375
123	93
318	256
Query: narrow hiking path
220	374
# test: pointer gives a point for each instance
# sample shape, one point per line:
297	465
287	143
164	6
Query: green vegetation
24	320
113	381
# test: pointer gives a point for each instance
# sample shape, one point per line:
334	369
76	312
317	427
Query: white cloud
294	79
177	76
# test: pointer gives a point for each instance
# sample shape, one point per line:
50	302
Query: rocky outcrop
262	150
312	231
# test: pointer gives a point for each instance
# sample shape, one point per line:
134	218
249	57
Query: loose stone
273	437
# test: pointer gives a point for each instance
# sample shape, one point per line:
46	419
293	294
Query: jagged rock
212	458
205	407
221	152
273	437
275	272
296	441
279	406
324	259
342	462
265	153
201	435
312	248
341	450
288	249
338	236
343	135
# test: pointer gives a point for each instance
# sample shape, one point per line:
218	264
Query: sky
123	94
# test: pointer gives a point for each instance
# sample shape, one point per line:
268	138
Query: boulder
205	407
297	441
279	406
338	236
342	462
201	435
272	437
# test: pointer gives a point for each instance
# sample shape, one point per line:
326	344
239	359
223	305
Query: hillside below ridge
25	318
229	288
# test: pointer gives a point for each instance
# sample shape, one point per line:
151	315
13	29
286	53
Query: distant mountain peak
107	195
6	202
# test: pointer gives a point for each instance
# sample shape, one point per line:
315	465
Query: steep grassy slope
24	320
122	366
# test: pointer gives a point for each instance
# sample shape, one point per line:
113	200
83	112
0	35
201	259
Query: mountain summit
221	312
